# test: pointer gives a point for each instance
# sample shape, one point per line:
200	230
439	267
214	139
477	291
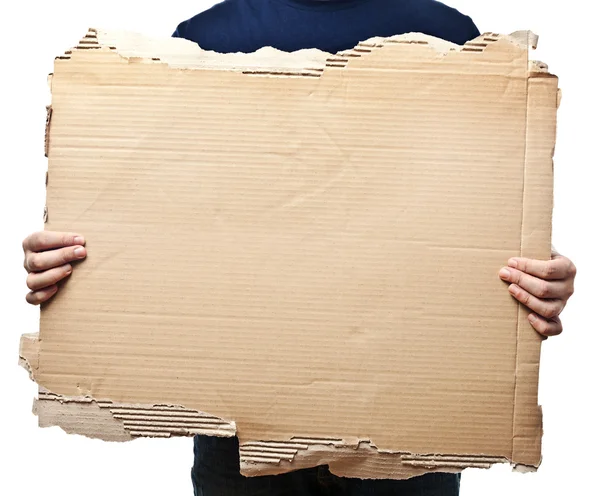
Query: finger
41	280
559	268
536	286
546	327
38	297
39	262
49	240
545	308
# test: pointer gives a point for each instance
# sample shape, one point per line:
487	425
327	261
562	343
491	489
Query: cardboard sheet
300	249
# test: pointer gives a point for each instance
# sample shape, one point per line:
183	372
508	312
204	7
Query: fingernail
505	273
79	252
513	263
69	270
79	240
532	318
512	289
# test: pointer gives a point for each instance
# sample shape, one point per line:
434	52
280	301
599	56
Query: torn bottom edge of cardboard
120	422
125	422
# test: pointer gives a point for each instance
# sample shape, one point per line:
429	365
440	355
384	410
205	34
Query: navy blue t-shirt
329	25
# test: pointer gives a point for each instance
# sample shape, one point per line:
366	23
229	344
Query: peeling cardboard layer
29	353
350	458
321	238
122	422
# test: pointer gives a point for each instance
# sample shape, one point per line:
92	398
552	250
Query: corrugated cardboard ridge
104	419
127	421
344	456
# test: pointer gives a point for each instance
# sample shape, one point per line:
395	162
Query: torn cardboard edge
121	422
118	422
268	61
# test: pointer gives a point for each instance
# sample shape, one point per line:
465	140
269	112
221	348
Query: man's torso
329	25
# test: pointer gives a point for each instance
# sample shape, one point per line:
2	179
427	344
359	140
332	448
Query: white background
47	461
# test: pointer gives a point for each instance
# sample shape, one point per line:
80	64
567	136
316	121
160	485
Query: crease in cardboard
535	243
518	309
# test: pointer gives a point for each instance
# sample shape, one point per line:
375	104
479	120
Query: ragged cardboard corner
300	249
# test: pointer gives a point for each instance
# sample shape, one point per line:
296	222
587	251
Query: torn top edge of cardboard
288	254
180	53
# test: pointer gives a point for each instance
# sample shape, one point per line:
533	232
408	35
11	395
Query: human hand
544	287
47	260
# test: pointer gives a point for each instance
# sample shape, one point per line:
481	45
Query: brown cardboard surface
300	250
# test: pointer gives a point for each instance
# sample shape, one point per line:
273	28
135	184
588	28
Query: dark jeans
216	473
